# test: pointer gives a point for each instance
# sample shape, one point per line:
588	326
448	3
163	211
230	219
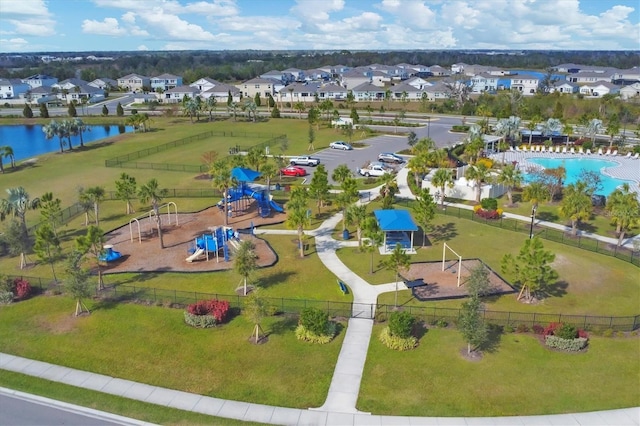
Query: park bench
343	288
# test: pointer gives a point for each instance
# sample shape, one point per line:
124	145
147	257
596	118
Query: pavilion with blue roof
398	227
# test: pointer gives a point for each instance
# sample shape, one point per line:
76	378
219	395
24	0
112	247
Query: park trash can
345	234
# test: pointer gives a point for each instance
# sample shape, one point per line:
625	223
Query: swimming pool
575	165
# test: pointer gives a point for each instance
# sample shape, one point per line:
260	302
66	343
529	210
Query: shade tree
531	268
152	193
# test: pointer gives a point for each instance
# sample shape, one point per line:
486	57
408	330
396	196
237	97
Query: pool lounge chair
635	157
628	155
518	149
614	153
580	151
543	149
599	151
573	150
588	151
564	149
608	152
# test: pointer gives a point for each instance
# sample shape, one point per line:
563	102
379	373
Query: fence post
155	298
175	296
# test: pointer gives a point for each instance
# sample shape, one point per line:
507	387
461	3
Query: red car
294	171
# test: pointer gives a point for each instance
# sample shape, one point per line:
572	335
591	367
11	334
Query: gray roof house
12	88
104	83
484	82
263	86
332	91
354	78
412	93
134	82
299	92
565	87
368	92
598	89
38	80
221	93
165	81
630	91
177	94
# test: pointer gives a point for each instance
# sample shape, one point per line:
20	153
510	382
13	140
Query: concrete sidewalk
286	416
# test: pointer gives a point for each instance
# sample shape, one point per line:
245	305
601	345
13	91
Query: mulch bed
434	283
145	255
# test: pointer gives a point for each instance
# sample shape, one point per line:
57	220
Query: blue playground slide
277	207
264	204
109	254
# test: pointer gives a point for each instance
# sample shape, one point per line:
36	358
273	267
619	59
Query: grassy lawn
161	350
109	403
519	376
589	283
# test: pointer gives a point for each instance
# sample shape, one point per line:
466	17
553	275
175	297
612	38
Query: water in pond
28	141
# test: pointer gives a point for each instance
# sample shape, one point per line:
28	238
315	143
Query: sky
139	25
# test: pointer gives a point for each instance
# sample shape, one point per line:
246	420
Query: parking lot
356	158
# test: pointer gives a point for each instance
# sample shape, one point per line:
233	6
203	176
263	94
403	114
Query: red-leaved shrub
537	329
216	308
553	328
22	288
488	214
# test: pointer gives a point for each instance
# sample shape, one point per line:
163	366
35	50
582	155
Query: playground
141	252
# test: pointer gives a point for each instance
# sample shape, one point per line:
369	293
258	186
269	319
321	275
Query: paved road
29	410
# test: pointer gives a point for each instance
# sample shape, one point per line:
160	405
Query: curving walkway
340	405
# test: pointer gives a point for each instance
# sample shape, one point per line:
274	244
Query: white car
376	170
340	145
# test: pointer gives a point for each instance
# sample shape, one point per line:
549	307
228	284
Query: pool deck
627	169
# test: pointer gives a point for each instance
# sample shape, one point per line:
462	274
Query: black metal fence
432	314
128	160
551	234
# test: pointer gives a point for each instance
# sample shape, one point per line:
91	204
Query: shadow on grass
444	232
494	334
277	278
287	324
547	216
558	289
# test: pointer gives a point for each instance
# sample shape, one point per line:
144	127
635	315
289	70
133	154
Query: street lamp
533	218
428	126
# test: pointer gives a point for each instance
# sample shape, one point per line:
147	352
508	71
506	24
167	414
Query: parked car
390	157
304	160
376	170
293	171
340	145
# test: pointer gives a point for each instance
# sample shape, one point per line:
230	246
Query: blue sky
103	25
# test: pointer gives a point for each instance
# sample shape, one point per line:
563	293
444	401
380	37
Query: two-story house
484	83
221	93
263	86
165	82
39	80
366	92
11	88
354	78
526	84
134	82
104	83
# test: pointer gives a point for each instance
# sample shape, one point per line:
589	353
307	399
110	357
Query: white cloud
33	27
14	44
142	47
25	8
129	18
27	18
411	13
173	27
109	27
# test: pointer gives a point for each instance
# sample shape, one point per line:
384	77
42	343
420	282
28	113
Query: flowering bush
477	208
565	337
488	214
22	288
397	343
215	308
537	329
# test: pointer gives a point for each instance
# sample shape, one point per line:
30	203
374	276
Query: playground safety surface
145	255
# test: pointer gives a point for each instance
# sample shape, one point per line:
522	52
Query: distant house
588	77
484	82
438	71
104	83
75	89
282	76
342	121
297	74
458	68
39	80
177	94
221	93
316	74
299	92
626	77
134	82
368	92
598	89
438	91
205	83
165	82
11	88
332	91
418	82
405	91
565	87
263	86
630	91
354	78
527	84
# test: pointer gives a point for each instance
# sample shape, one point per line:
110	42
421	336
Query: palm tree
269	172
356	215
151	192
533	125
250	107
245	261
568	130
418	165
189	107
211	106
388	190
624	209
341	173
395	262
300	107
297	217
613	128
442	178
594	126
345	198
17	204
78	128
478	173
576	204
6	151
222	180
93	242
50	130
536	192
510	177
374	238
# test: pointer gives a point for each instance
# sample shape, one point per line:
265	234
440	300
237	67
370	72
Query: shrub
302	333
401	324
200	321
314	320
440	322
537	329
522	328
6	297
396	342
509	328
22	288
477	208
487	162
218	309
488	214
489	203
565	344
499	212
607	333
566	331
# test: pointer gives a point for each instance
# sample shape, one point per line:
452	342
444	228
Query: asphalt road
30	410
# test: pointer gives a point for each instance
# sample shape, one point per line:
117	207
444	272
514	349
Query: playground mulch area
428	281
145	255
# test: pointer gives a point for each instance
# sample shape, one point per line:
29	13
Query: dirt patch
142	253
428	281
474	356
61	325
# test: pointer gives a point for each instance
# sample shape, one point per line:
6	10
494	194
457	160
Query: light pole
533	218
428	126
